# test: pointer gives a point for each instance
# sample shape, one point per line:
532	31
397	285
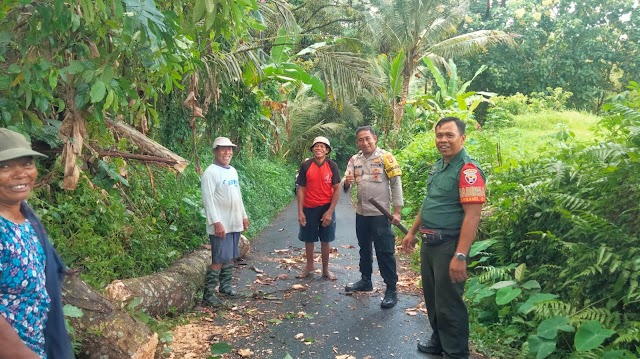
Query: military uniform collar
456	159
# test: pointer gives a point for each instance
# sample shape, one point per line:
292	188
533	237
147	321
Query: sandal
328	275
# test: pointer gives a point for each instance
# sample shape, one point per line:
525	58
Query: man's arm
302	219
208	187
395	185
458	268
245	218
471	183
349	177
328	215
11	346
409	241
301	181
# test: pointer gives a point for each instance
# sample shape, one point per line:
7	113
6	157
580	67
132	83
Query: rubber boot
211	281
226	275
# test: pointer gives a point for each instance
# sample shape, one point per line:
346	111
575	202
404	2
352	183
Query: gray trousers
446	309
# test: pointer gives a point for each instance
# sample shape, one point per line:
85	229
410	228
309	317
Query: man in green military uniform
447	223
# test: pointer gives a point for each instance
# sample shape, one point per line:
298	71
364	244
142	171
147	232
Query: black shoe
363	285
430	348
390	299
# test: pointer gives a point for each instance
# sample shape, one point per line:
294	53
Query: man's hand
349	179
396	218
457	270
219	230
302	219
326	218
245	224
408	243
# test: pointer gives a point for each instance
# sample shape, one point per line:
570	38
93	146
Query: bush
553	99
497	117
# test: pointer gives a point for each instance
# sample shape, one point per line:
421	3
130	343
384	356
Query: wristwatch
461	256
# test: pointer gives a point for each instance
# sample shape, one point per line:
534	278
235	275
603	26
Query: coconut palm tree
424	28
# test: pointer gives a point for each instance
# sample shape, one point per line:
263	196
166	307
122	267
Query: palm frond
471	43
226	67
306	121
444	26
278	14
346	75
351	114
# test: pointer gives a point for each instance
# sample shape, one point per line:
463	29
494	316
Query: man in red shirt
318	192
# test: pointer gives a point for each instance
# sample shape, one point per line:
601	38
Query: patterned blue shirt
24	301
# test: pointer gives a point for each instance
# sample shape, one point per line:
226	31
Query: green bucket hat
14	145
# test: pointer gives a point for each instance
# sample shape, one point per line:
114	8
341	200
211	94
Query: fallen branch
146	144
120	154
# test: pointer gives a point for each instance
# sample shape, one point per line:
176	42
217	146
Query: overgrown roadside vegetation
114	227
556	266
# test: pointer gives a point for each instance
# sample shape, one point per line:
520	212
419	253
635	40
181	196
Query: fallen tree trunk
171	289
146	144
105	331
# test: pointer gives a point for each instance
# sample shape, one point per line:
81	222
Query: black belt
437	236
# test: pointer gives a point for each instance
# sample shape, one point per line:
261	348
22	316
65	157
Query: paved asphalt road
332	323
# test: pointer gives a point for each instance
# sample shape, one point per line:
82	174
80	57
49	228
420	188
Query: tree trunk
398	108
172	289
146	144
105	331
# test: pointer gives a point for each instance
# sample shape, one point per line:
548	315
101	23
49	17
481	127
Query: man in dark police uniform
447	223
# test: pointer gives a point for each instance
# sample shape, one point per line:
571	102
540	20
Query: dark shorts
224	250
314	230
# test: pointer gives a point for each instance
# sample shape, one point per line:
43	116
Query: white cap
222	142
321	139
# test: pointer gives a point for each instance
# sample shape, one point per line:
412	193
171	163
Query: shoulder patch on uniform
391	167
470	175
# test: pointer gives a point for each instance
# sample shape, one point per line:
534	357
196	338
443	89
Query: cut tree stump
105	331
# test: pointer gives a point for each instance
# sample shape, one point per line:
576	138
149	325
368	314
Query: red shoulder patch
471	185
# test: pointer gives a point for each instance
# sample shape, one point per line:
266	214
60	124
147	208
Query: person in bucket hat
14	145
226	219
31	319
318	184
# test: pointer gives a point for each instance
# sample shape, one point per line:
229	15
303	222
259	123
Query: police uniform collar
377	151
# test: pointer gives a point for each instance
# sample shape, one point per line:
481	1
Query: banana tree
453	94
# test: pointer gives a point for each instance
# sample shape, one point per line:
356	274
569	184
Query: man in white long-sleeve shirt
226	219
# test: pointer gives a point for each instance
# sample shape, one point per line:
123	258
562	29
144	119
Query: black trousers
446	309
376	231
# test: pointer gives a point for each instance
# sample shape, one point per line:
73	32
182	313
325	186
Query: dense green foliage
122	231
587	47
556	272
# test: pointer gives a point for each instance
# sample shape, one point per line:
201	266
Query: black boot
390	298
432	347
210	283
363	285
226	275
